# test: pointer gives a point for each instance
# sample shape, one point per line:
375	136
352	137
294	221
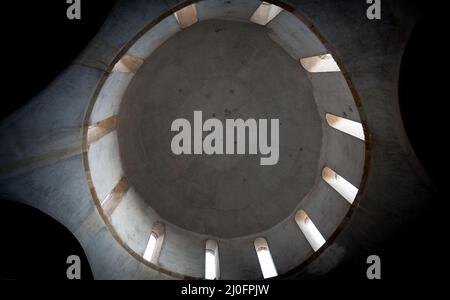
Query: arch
339	184
265	259
309	230
212	266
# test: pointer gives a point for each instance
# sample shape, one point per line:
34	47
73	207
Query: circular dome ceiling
227	70
228	60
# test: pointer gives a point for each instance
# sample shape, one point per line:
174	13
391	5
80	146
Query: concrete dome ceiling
228	64
228	70
93	149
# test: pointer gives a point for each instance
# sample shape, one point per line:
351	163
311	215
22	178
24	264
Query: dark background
39	42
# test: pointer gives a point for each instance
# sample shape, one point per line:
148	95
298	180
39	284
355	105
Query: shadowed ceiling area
228	70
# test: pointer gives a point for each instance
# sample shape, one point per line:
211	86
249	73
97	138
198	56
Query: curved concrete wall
396	188
183	251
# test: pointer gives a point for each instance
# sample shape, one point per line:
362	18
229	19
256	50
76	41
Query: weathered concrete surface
109	98
227	10
126	19
294	36
155	37
228	70
29	139
105	164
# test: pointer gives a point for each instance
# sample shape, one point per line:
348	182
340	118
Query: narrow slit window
151	245
212	270
154	244
309	230
338	183
265	13
320	64
345	125
265	258
187	16
113	199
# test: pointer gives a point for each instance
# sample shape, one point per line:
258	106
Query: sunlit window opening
153	249
100	129
128	64
187	16
320	64
345	125
265	13
212	270
150	249
265	258
309	230
113	199
342	186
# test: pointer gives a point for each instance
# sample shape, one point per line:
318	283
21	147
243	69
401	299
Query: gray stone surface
294	36
105	164
228	70
235	10
108	100
153	38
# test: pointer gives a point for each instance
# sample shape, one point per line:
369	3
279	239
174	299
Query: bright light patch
212	260
267	265
345	125
342	186
320	64
148	254
210	265
265	13
265	258
187	16
310	231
